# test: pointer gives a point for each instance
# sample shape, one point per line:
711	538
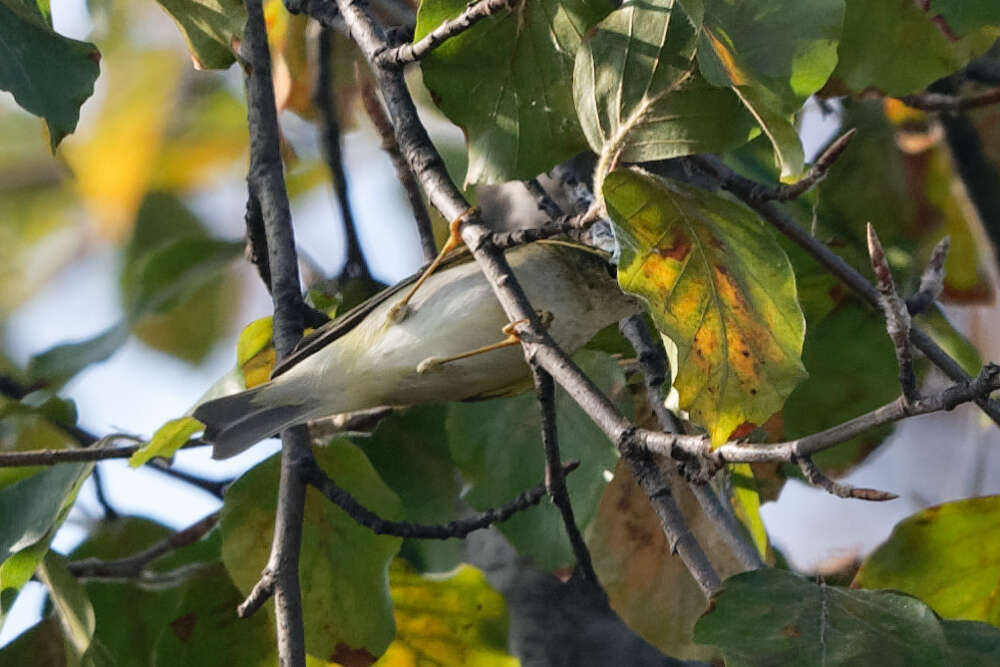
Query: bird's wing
331	331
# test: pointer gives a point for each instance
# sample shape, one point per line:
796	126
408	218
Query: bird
444	348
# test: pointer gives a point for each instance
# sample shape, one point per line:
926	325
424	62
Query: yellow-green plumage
368	360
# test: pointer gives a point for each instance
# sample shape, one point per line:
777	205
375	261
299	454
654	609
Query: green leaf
72	606
455	619
964	16
205	630
188	323
746	503
897	48
209	28
845	380
720	287
42	644
24	429
31	510
167	440
786	47
58	364
947	555
337	554
497	445
777	127
773	55
409	451
776	617
639	96
506	83
48	74
173	272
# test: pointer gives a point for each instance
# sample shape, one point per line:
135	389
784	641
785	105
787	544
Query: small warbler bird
442	348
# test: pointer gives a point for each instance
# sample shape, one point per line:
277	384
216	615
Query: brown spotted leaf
720	287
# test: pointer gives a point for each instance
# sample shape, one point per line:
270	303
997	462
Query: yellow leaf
168	439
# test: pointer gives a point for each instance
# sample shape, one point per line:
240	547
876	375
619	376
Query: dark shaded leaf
49	75
498	447
507	83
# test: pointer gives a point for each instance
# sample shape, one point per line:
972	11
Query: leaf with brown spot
729	303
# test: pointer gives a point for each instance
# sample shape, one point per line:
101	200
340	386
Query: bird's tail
237	422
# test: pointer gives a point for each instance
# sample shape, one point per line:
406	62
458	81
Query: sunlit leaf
498	447
772	617
720	287
452	619
337	553
255	352
773	55
506	83
168	439
746	504
947	555
638	94
897	48
70	601
49	75
210	28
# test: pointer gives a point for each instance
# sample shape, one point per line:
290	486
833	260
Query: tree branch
474	13
134	566
697	447
403	172
266	183
943	102
555	481
817	478
931	280
897	317
545	203
329	132
742	187
322	482
652	358
787	191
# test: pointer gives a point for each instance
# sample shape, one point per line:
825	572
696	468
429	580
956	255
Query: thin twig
459	529
695	447
133	567
558	227
555	481
403	172
817	478
897	317
788	191
931	280
539	347
265	181
940	102
545	203
215	487
110	513
742	187
409	53
329	132
652	358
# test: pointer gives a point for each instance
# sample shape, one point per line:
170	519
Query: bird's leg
432	363
399	311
